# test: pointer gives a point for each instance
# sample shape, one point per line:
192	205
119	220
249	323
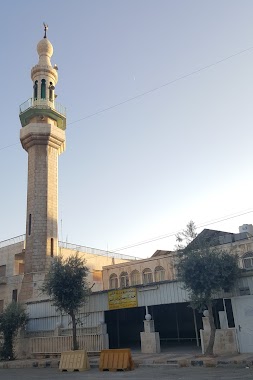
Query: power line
103	110
231	216
161	86
175	233
8	146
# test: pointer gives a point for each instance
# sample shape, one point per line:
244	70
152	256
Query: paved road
147	373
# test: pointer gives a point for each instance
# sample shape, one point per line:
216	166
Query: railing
58	344
14	240
75	247
31	103
95	330
95	251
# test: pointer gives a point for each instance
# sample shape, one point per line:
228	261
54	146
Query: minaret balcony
42	107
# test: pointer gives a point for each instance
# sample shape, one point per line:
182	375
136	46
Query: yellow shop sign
122	298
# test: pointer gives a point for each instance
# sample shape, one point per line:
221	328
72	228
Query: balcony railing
31	103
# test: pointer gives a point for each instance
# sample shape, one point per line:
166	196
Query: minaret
43	137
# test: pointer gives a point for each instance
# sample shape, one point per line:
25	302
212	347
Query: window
113	281
35	90
43	89
159	274
51	88
15	295
248	260
2	270
52	247
135	277
97	275
147	276
1	306
30	224
124	280
21	268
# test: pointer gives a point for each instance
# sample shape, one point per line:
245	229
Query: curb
94	363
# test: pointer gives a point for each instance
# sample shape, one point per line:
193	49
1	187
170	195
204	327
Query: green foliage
67	286
11	320
184	237
66	283
206	271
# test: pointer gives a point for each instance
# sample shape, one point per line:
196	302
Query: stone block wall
225	341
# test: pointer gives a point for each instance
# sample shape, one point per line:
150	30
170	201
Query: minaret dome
45	51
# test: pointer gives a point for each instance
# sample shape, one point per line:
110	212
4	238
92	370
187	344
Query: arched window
159	274
35	90
135	277
43	89
248	260
113	281
124	280
52	247
51	88
147	276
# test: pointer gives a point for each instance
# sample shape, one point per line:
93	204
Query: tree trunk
209	349
7	349
75	344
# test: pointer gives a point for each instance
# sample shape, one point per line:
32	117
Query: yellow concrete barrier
74	361
116	360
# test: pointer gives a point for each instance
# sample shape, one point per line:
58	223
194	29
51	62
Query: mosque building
124	289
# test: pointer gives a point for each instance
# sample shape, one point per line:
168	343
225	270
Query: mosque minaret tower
43	137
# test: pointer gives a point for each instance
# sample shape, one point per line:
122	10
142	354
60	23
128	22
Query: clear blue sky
145	168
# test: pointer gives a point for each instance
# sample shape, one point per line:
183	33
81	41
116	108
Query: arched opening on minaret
43	89
35	90
51	88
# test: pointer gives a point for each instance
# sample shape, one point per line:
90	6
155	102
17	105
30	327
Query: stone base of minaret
26	290
30	289
150	340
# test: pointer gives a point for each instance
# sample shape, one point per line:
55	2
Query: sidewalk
172	358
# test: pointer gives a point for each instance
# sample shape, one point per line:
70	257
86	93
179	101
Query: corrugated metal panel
85	319
50	323
41	310
91	319
96	302
172	292
156	294
43	324
43	316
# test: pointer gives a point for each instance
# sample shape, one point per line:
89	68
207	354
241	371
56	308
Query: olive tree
205	270
11	320
66	284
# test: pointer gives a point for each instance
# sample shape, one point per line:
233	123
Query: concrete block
150	342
